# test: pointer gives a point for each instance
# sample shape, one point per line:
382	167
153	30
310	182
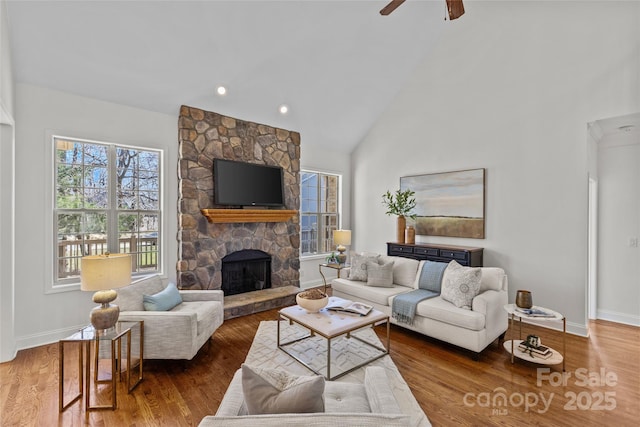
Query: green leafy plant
401	203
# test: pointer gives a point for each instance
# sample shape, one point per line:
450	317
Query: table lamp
341	238
103	273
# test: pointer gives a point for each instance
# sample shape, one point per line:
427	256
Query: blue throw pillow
164	300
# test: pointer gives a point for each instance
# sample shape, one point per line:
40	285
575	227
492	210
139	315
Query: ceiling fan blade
391	7
455	9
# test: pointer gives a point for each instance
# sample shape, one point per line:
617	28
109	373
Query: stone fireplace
203	137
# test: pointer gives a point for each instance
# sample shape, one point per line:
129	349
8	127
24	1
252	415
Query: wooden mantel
248	215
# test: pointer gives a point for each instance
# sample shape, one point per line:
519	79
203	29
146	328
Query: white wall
45	317
7	217
313	157
7	243
618	221
6	71
510	88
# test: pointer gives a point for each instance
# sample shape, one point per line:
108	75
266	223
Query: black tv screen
247	184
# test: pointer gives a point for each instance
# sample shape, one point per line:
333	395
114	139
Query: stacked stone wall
203	137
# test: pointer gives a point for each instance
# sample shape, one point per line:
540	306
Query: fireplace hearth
246	271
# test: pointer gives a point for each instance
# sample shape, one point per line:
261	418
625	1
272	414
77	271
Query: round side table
512	345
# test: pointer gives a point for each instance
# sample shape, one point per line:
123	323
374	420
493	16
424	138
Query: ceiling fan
454	7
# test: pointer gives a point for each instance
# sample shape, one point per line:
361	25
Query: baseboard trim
614	316
572	328
44	338
8	355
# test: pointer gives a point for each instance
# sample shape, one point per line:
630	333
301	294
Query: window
319	211
107	199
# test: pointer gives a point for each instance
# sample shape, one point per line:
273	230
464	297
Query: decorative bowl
312	301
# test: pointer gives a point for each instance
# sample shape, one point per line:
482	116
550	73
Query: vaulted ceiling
337	64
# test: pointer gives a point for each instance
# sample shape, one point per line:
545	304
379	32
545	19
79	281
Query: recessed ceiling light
221	90
284	109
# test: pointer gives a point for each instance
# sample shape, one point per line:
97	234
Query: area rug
265	352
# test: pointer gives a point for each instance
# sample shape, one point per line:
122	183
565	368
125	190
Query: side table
335	267
88	337
512	345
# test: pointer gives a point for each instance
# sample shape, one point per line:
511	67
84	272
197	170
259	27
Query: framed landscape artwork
448	204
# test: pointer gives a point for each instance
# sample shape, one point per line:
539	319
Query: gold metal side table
335	267
88	337
512	345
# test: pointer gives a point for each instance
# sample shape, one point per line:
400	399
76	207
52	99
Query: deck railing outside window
144	251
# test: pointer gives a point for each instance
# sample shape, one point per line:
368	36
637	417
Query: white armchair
180	332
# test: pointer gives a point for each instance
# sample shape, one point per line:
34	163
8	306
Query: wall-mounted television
247	184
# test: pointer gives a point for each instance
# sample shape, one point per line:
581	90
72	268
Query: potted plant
332	259
401	203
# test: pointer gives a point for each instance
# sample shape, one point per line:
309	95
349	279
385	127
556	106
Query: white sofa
180	332
346	404
471	329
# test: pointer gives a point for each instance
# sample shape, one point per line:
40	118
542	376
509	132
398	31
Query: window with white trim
319	211
107	199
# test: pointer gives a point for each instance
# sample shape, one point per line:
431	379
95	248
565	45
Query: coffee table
333	326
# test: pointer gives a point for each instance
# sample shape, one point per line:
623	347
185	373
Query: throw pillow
380	275
274	391
460	285
404	269
359	266
164	300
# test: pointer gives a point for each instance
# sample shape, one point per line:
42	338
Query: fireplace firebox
245	271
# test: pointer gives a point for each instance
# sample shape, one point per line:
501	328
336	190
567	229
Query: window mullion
320	227
112	212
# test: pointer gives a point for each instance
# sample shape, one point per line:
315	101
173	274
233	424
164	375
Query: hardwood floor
439	375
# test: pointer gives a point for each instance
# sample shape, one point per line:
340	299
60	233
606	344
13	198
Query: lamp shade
100	272
342	237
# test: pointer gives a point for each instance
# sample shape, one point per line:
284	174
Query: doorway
613	272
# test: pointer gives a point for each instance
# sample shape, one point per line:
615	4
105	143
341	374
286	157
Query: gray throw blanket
404	306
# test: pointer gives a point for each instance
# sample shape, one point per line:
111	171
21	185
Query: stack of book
539	351
534	312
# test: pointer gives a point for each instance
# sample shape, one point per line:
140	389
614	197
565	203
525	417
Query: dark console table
464	255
